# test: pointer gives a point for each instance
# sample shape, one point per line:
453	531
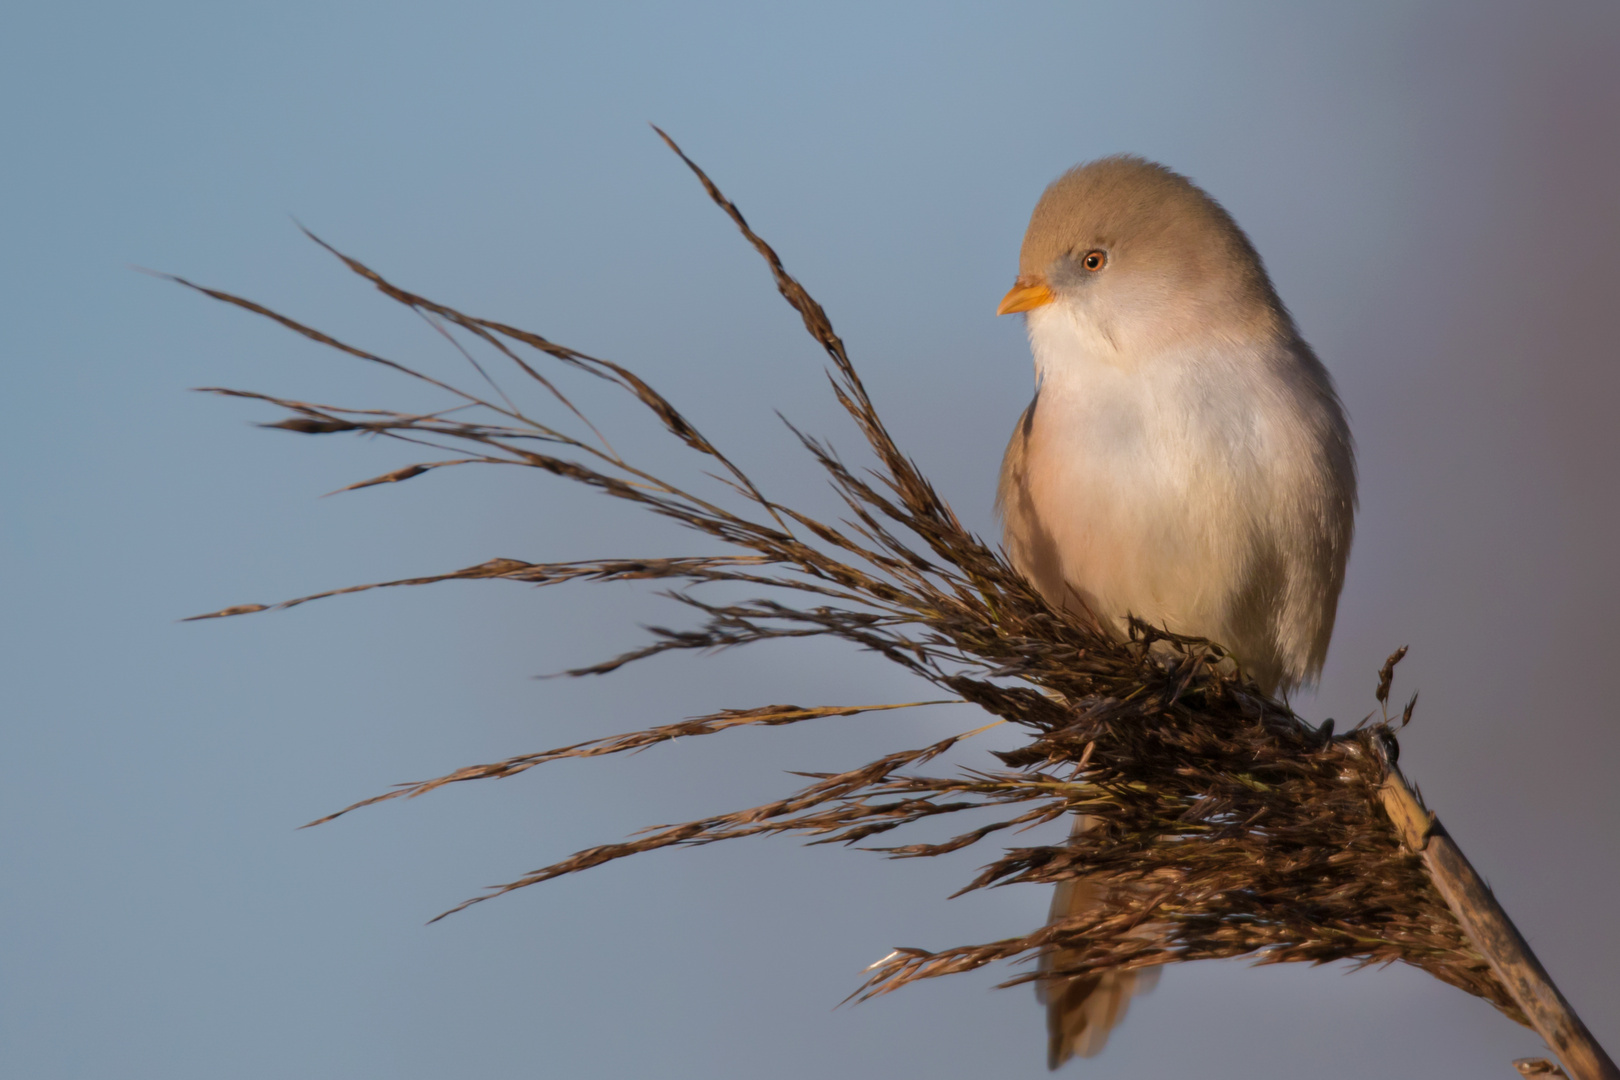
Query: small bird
1185	460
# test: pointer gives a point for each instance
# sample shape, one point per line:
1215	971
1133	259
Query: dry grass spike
1233	827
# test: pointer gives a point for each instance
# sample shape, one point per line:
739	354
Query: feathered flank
1230	826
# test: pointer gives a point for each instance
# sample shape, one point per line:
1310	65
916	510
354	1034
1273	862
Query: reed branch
1224	824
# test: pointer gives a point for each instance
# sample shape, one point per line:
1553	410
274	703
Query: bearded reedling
1185	460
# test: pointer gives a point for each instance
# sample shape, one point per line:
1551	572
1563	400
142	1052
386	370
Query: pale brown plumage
1185	459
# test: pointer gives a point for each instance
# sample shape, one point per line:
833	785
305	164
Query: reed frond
1225	825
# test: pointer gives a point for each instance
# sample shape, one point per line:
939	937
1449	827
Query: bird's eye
1094	260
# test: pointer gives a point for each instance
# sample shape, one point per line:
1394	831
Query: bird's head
1140	259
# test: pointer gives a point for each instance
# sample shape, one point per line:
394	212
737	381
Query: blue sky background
1432	186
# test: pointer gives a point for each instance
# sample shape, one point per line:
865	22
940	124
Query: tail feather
1082	1010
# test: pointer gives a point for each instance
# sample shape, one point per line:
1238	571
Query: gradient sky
1432	185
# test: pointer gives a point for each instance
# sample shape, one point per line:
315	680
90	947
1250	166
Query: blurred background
1433	186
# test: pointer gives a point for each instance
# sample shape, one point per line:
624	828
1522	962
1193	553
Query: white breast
1163	486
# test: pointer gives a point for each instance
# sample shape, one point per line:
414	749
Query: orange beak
1025	294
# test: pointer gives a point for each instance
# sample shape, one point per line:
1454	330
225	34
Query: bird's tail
1082	1010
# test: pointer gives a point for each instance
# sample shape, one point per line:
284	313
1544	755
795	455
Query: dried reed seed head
1226	825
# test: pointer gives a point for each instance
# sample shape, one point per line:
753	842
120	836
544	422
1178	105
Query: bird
1185	461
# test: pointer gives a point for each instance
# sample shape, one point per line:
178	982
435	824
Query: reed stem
1491	932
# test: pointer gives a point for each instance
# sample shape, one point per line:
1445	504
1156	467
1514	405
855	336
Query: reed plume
1225	825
